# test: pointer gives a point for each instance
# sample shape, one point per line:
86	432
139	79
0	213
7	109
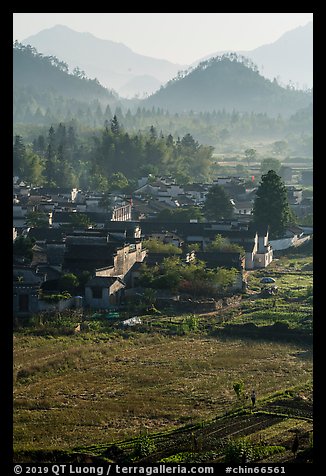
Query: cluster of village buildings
109	245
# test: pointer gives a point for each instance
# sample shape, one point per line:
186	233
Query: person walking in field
295	445
253	398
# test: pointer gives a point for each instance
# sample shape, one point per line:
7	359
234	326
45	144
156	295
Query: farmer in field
253	398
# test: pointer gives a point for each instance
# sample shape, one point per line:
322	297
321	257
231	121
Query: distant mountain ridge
290	58
43	86
227	82
116	66
113	64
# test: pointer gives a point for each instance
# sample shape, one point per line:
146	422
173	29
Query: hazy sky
178	37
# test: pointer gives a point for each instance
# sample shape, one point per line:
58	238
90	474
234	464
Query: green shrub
56	297
144	447
238	451
238	387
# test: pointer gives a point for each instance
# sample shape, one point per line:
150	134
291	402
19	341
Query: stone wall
199	305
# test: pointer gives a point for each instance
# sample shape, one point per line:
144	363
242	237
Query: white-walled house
243	207
259	254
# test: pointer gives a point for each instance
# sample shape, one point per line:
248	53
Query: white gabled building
259	254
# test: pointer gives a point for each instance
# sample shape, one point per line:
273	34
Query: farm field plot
94	389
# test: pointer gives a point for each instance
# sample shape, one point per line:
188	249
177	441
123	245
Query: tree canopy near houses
109	158
217	204
193	278
271	206
180	215
220	243
22	247
37	219
154	245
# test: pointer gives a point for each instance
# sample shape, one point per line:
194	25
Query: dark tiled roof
151	259
103	281
55	254
202	229
260	229
294	229
50	272
243	204
184	200
51	191
220	259
248	247
28	276
195	187
47	234
90	252
35	199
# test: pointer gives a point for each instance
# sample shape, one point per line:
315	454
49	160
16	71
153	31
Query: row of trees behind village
63	159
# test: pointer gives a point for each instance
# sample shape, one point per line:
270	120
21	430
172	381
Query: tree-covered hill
229	82
43	87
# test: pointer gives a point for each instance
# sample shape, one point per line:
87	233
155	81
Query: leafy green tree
37	219
80	219
223	244
68	282
22	247
33	168
225	278
98	181
50	165
154	245
271	206
193	278
118	181
180	215
26	163
217	204
238	387
19	155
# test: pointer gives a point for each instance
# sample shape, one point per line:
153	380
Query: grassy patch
71	391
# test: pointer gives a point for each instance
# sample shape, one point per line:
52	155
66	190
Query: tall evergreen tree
19	155
217	204
271	207
50	166
115	126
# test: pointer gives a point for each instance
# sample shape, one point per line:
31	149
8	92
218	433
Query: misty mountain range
289	59
228	82
117	67
113	64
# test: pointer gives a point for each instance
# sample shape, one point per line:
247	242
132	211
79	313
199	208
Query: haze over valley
162	239
118	67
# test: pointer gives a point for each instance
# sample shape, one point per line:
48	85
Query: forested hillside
44	91
150	139
229	82
109	156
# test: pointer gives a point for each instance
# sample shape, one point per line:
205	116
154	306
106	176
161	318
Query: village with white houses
73	232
